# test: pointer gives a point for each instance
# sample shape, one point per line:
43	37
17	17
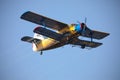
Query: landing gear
41	52
83	46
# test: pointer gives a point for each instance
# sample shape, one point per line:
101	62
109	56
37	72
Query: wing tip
24	38
23	15
106	34
97	44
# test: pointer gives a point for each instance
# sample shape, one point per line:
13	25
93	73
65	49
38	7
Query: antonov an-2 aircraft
62	34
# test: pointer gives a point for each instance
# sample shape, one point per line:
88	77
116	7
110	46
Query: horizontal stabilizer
29	39
85	43
42	20
48	33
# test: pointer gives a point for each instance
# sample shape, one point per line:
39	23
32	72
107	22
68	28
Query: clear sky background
19	62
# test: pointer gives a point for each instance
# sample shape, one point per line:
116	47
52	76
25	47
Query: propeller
86	28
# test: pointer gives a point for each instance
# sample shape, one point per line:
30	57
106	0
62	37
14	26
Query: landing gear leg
41	52
91	34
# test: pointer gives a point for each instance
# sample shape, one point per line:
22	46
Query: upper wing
85	43
42	20
94	34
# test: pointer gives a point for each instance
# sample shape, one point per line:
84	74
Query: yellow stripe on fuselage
44	44
70	28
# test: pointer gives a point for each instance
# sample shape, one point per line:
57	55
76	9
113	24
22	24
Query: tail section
35	40
35	43
29	39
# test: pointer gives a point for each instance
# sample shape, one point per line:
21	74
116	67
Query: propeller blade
85	20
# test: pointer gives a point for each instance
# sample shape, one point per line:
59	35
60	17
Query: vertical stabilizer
38	36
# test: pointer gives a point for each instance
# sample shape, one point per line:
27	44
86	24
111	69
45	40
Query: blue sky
19	62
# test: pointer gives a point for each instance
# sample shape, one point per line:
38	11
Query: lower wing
85	43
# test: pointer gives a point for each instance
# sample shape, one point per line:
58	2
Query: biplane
51	34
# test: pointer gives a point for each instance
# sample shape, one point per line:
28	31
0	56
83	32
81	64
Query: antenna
78	22
85	20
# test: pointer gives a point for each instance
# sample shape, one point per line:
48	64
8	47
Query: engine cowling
79	28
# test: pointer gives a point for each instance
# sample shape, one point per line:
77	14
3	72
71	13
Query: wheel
83	46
